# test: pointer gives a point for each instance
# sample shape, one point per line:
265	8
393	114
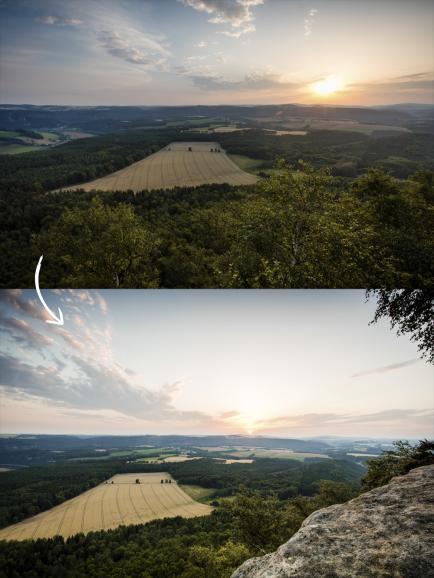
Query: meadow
121	500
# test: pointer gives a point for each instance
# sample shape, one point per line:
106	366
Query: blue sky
287	363
151	52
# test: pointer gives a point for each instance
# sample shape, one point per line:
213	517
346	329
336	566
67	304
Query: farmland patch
124	499
180	164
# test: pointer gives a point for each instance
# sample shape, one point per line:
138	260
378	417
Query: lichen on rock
386	532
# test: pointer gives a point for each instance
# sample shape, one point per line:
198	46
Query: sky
165	52
279	363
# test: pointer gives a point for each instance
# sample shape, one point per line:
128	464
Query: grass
197	493
50	136
16	149
156	458
9	133
163	452
248	164
276	454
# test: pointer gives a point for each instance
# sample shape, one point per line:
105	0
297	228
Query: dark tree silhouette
411	311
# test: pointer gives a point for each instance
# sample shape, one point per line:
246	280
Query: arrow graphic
56	320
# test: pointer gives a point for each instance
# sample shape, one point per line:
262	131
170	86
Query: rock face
387	532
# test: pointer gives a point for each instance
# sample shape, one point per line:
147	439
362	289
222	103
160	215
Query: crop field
245	454
279	454
175	166
119	501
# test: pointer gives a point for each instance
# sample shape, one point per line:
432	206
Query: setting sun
327	86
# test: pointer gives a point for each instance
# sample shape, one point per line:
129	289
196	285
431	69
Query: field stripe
147	503
175	504
121	518
62	519
84	512
104	491
139	517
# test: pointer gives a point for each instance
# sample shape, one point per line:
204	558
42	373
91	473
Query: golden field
175	166
119	501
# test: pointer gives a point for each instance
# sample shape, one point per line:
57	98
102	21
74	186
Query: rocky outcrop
387	532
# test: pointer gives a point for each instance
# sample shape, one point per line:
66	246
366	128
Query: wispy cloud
237	13
55	20
14	299
309	21
386	368
21	332
95	386
408	84
335	423
144	50
74	366
205	78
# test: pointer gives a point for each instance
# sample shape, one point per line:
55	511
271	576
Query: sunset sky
287	363
150	52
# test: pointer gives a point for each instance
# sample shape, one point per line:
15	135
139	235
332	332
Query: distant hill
55	442
103	119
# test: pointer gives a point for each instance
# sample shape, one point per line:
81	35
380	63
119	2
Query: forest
255	521
298	228
26	492
333	209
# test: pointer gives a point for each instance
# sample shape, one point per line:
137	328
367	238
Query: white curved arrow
56	320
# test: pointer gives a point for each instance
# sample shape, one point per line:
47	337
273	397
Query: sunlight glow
329	85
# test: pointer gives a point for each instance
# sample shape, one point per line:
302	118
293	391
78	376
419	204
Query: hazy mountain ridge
106	118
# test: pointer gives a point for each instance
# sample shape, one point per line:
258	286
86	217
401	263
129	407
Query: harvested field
175	166
279	454
119	501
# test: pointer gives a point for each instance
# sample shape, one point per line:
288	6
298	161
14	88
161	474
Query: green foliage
259	521
77	161
411	311
217	562
100	246
27	492
403	458
298	228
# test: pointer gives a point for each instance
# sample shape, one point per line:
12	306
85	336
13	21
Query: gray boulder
387	532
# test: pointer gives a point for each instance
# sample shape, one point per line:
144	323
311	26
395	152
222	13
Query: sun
327	86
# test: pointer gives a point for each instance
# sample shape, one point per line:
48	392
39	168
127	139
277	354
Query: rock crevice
387	532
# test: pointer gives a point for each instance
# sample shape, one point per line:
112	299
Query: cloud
48	19
72	22
309	21
94	386
386	368
68	338
143	51
21	332
334	423
14	298
236	13
204	77
54	20
408	84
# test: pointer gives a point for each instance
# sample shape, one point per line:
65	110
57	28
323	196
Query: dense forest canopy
333	208
298	228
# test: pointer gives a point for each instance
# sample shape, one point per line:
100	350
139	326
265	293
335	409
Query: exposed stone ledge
387	532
